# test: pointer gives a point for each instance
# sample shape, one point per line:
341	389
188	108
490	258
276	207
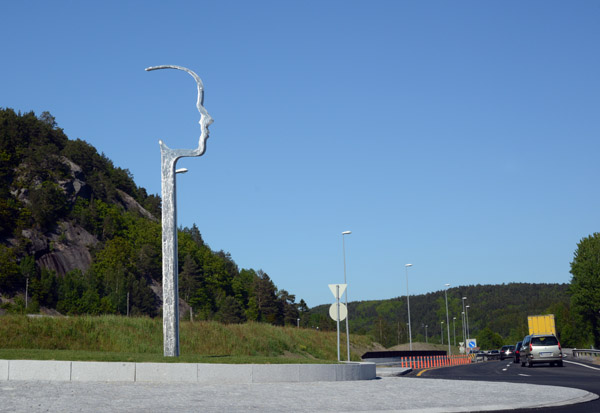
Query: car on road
518	352
541	348
507	352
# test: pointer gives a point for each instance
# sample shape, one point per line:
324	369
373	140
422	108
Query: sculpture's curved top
205	119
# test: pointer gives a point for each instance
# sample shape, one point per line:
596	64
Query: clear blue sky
461	137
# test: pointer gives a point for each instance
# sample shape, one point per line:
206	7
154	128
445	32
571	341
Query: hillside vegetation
80	237
140	339
497	314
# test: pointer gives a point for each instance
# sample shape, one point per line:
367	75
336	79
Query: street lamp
408	304
346	293
442	331
169	158
467	315
463	330
454	328
426	332
464	325
447	319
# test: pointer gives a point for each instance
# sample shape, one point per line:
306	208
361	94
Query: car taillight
559	347
530	347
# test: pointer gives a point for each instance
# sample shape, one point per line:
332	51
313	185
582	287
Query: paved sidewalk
390	394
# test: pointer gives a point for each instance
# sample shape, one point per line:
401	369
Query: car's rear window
544	341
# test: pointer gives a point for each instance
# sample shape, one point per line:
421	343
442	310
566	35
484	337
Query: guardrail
586	353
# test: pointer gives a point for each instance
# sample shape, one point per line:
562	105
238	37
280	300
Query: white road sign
333	312
333	288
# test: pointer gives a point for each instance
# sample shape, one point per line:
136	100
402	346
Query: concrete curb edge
52	370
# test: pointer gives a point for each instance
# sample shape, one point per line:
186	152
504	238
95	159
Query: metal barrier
588	354
416	362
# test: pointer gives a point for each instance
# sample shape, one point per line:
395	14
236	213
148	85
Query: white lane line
524	375
582	365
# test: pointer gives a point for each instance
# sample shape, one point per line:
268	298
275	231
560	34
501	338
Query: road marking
421	372
504	369
582	365
524	375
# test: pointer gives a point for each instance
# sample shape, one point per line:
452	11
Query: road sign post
338	311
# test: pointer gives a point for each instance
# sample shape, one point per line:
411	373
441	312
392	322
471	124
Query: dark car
507	352
518	352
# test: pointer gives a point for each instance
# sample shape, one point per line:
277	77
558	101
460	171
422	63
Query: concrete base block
166	372
3	370
368	371
224	373
317	372
98	371
356	371
39	370
347	371
274	373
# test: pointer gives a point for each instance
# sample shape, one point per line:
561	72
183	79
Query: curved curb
583	399
50	370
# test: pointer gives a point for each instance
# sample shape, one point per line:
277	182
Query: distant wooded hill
503	309
78	236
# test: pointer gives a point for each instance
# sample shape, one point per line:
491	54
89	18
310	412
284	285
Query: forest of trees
39	168
497	314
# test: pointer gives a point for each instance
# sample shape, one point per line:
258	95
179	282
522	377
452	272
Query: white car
541	348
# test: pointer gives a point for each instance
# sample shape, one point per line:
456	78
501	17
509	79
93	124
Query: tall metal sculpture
170	271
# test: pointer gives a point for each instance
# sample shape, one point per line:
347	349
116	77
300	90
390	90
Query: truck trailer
541	324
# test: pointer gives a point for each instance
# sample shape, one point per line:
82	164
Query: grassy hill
114	338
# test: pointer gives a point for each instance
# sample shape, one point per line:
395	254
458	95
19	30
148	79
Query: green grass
112	338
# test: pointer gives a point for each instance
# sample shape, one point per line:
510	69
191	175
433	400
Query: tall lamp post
464	323
463	330
346	292
408	304
442	331
454	328
467	315
426	332
447	319
169	158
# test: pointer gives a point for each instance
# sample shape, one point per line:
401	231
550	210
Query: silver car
541	348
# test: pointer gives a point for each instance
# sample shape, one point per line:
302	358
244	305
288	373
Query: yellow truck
541	324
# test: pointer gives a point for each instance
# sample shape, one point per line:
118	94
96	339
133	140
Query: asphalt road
574	374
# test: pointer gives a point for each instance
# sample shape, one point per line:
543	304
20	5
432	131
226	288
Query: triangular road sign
333	288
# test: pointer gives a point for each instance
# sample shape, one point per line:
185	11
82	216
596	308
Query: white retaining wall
182	372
